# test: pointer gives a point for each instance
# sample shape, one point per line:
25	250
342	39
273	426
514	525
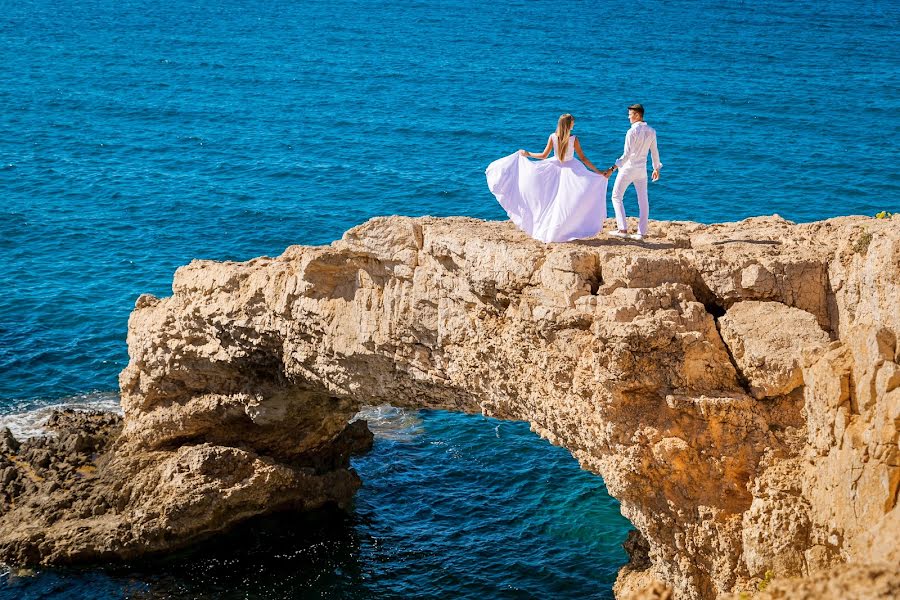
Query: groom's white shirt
640	139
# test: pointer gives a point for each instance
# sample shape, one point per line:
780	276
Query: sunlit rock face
736	385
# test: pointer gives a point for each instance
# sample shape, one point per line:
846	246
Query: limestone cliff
736	385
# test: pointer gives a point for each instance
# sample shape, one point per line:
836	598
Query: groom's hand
655	175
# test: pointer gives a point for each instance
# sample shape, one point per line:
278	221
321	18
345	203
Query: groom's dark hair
638	108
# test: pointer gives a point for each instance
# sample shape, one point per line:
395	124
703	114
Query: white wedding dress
550	200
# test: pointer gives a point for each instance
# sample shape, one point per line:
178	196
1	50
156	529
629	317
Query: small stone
7	475
40	458
8	443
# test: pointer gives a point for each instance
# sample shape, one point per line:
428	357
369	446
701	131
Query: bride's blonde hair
563	131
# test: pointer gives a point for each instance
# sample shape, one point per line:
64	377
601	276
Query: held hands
655	175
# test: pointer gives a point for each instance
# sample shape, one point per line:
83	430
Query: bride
553	200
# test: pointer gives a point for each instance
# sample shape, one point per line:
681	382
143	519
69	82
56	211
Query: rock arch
725	456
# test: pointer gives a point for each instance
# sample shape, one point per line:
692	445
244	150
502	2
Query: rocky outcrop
767	341
86	494
859	582
736	385
42	471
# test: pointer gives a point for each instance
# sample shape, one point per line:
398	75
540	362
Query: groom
632	166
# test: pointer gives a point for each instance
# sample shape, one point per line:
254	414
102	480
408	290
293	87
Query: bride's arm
542	155
585	160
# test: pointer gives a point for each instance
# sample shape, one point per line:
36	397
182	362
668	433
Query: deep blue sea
136	136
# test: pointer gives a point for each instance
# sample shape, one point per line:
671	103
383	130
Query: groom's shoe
636	236
618	234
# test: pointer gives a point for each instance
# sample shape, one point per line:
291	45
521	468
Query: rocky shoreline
737	386
74	497
44	472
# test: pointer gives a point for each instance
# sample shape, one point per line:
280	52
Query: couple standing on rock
559	199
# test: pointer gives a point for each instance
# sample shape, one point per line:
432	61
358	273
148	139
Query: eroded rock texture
736	385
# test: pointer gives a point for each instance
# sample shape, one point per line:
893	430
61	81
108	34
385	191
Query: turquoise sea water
453	506
135	136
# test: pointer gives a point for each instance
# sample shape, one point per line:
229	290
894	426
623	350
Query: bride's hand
523	152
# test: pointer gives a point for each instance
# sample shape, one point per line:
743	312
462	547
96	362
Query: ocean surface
136	136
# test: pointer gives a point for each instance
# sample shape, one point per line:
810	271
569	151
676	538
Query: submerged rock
736	385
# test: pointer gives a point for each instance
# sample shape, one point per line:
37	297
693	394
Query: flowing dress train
550	200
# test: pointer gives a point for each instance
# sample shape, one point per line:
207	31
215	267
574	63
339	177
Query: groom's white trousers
625	178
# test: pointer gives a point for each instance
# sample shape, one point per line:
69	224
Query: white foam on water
390	422
26	418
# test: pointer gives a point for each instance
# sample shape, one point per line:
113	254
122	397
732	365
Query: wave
392	423
26	418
